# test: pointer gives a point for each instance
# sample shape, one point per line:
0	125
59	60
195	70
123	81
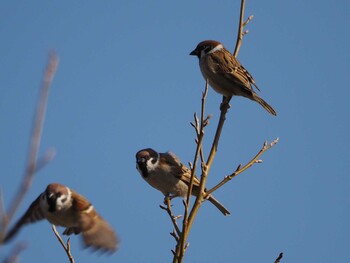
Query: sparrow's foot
168	197
225	104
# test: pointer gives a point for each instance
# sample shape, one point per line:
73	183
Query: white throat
152	166
63	201
218	47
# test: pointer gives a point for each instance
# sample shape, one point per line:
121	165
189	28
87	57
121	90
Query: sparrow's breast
216	79
65	218
167	183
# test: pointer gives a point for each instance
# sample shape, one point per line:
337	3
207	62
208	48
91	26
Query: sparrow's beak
194	53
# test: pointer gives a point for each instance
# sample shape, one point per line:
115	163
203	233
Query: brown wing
233	70
96	232
33	214
180	170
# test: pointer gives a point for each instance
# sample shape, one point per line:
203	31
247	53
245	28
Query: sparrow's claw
225	105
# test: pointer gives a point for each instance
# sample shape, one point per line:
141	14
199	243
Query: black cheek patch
143	169
52	204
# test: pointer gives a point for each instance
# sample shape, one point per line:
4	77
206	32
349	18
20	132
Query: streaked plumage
225	73
165	172
62	206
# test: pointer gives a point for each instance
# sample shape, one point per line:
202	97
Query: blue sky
126	82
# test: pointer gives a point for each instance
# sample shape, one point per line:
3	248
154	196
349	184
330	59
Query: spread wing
33	214
96	232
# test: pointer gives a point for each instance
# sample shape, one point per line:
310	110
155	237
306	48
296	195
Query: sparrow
62	206
225	73
166	173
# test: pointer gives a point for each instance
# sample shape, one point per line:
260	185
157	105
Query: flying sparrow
165	172
225	73
62	206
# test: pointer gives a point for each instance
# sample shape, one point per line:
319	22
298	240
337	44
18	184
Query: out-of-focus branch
241	169
15	252
32	166
65	247
280	256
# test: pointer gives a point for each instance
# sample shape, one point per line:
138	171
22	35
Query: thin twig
280	256
200	135
241	169
65	247
188	220
240	30
171	215
186	226
38	122
214	148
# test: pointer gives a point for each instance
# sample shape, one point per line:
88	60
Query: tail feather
264	104
218	205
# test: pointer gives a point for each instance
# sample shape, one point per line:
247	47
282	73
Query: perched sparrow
225	73
62	206
165	172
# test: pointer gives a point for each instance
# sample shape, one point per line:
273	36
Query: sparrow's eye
206	48
141	160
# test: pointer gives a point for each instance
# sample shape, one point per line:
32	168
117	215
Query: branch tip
275	141
280	256
65	247
250	18
177	217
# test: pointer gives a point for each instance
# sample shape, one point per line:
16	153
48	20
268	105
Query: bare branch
186	226
224	108
241	26
32	166
173	218
189	216
242	169
65	247
44	160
